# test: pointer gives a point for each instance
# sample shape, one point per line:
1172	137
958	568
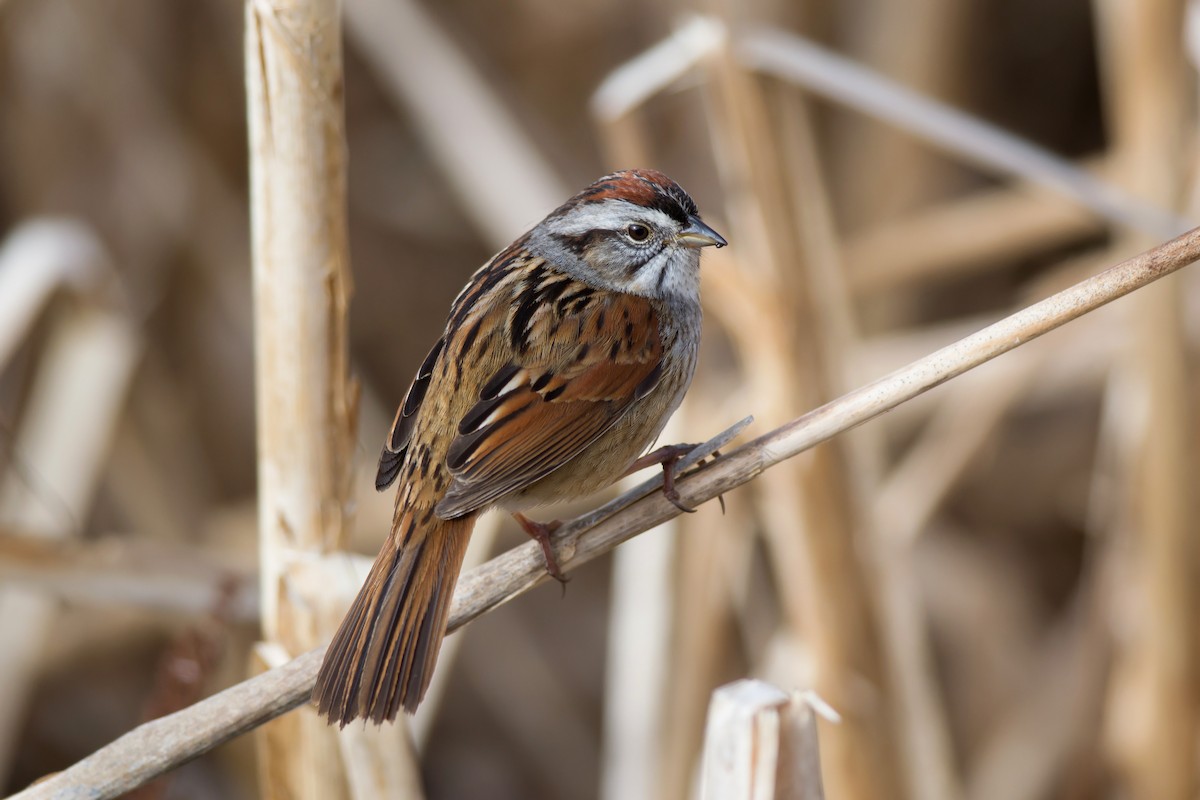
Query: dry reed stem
517	688
632	84
306	402
641	643
760	744
917	44
73	407
471	133
921	718
302	285
793	347
37	260
1154	720
713	558
82	374
123	571
380	763
1058	711
818	70
966	418
161	745
903	505
156	477
161	210
968	235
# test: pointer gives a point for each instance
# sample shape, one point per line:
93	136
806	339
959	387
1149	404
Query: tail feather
382	657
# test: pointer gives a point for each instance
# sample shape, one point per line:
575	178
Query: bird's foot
541	532
668	457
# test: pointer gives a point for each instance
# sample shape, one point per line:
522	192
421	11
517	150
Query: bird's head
634	231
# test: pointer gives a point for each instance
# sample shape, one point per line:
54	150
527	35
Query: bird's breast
607	459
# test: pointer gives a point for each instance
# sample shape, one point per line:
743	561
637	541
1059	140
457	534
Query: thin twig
164	744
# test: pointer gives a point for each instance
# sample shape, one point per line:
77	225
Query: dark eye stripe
579	242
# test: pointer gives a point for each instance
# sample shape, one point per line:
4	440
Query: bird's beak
697	234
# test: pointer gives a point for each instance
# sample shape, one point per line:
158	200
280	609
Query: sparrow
561	361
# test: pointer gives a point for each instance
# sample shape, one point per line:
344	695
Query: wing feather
392	457
557	396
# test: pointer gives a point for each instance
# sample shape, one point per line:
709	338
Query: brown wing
392	457
573	377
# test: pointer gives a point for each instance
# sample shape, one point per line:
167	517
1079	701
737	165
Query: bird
561	361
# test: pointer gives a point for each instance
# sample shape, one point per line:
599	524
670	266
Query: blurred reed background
995	584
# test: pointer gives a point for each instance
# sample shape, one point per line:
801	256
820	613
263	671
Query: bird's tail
383	654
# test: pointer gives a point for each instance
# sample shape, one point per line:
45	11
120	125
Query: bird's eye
638	232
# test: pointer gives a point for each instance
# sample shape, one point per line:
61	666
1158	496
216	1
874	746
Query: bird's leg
540	532
668	456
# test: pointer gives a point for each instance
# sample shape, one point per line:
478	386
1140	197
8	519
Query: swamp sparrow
561	362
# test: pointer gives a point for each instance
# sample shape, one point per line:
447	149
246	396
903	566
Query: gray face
619	245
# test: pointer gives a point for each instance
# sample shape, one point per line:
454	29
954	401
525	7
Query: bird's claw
668	457
541	532
673	496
